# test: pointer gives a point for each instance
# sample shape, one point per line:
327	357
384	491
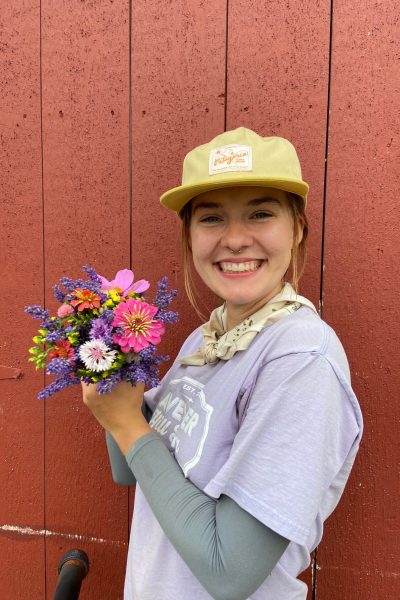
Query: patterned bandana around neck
220	344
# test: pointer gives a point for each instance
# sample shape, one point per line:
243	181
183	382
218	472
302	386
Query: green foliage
39	356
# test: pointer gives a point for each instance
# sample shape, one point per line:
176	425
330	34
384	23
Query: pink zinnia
135	318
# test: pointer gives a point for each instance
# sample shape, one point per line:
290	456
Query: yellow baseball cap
238	158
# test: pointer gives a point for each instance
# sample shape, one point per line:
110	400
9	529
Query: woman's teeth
251	265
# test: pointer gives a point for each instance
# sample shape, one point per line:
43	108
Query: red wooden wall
99	101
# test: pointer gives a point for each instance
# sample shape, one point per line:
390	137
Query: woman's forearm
229	551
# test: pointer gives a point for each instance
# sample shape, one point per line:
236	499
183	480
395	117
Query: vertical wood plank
178	79
21	414
87	220
277	85
360	555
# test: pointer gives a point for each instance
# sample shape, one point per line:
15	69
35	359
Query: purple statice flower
108	316
92	284
91	273
59	384
105	385
149	357
169	317
147	353
136	373
55	336
37	312
59	294
146	371
69	284
59	366
163	299
82	284
164	295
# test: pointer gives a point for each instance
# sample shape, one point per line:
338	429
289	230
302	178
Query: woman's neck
236	313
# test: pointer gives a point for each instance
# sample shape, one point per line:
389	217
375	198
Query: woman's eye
261	215
210	219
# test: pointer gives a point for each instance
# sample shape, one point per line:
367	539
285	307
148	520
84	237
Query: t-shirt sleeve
298	430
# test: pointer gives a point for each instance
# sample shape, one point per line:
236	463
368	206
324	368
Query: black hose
72	569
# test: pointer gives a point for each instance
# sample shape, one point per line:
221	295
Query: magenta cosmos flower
139	329
124	283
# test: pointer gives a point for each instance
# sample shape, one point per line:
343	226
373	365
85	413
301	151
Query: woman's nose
236	236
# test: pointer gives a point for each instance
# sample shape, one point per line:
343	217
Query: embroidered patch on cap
230	158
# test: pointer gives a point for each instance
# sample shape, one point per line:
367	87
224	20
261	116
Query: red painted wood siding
360	557
99	102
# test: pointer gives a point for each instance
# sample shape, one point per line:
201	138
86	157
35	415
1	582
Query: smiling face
241	241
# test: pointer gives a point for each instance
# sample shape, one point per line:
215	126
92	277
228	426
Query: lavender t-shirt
276	428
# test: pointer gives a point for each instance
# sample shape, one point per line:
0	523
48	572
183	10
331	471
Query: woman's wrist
127	436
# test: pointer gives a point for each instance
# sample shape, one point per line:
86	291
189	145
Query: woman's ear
299	231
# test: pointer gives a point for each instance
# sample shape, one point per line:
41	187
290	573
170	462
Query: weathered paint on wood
359	557
85	59
21	417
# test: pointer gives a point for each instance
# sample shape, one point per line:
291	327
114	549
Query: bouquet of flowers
104	332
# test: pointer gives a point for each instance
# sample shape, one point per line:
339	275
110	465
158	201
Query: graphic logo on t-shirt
182	417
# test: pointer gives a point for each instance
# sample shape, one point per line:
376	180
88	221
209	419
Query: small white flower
96	355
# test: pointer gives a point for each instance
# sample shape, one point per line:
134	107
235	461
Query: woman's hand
119	411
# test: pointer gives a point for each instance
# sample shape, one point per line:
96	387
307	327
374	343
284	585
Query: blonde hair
186	214
296	207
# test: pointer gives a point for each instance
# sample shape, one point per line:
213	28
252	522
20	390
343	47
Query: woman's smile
239	268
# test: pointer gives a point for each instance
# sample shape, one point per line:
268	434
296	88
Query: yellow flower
115	295
73	337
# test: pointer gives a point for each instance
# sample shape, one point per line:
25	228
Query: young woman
245	448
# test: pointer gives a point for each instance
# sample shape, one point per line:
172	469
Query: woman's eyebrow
253	202
258	201
210	205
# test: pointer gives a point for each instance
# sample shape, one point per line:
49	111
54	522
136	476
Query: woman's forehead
251	195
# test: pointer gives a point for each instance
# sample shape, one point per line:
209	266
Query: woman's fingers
88	392
123	391
123	403
119	411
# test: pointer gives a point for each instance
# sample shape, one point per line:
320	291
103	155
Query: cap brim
176	198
